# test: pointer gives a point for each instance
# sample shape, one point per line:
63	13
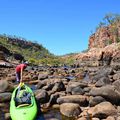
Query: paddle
19	87
20	84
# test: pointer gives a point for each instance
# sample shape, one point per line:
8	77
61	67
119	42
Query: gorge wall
103	47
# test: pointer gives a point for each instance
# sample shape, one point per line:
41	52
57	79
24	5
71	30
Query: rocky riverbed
76	93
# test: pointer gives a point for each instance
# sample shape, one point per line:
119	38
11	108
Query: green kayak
23	110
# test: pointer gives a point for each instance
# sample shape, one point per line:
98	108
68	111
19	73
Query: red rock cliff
103	47
104	36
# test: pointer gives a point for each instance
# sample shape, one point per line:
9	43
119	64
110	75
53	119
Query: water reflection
70	77
86	76
52	114
2	116
40	117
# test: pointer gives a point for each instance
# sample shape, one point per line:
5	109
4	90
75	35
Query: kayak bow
23	111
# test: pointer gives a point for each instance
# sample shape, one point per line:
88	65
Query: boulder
82	118
70	109
42	96
75	87
5	86
116	84
103	81
103	110
40	84
11	78
79	99
116	76
108	92
42	76
48	87
95	100
103	72
53	99
59	86
77	91
111	118
5	97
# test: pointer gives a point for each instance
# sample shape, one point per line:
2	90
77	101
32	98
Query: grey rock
103	81
103	110
42	96
70	109
95	100
42	76
108	92
59	86
4	97
79	99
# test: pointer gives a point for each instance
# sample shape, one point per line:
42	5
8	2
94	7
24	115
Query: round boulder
70	109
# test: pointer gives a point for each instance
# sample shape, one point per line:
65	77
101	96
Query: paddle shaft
21	75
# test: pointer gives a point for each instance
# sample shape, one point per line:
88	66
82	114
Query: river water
51	114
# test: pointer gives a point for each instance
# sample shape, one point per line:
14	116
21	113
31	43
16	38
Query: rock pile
96	97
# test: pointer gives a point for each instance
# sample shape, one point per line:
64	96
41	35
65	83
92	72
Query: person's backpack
23	97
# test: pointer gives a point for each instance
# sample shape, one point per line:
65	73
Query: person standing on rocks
19	71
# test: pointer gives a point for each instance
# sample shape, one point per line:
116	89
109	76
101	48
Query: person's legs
17	76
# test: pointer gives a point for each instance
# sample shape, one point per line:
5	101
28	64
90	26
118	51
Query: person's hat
26	62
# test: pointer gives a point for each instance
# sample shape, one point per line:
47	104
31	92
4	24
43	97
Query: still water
51	114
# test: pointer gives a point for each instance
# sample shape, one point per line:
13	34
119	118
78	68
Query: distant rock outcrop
102	37
4	49
20	49
103	47
2	57
3	52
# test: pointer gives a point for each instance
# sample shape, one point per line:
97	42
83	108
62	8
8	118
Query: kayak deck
23	111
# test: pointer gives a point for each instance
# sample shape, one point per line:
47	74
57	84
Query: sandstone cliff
104	47
104	36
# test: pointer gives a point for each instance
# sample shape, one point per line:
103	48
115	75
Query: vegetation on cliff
107	32
31	51
113	22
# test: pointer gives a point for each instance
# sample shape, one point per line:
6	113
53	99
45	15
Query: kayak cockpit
22	97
